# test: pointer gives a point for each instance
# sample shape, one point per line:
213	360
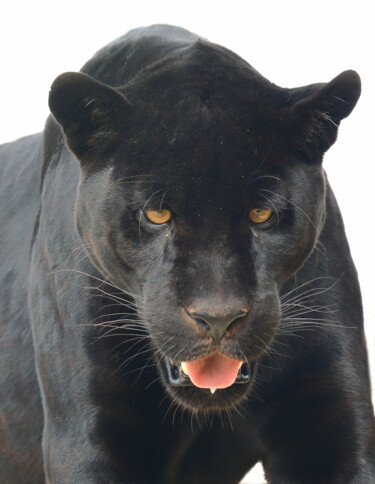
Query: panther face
202	193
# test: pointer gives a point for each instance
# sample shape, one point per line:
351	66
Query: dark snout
216	286
219	322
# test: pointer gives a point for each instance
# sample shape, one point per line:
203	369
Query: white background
291	43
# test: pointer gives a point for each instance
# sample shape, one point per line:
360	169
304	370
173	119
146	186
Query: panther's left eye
260	215
158	217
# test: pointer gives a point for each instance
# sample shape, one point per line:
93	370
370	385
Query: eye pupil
159	216
260	215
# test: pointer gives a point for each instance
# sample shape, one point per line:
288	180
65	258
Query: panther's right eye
260	215
158	217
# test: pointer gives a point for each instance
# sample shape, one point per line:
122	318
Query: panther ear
314	119
89	112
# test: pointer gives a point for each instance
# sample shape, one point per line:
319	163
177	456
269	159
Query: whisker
102	281
317	322
311	281
109	315
110	296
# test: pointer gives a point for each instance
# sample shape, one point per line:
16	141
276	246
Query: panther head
202	192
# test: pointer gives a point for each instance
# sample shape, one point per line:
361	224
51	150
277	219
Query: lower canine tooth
184	368
213	390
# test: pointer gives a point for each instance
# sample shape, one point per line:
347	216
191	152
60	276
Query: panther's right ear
90	113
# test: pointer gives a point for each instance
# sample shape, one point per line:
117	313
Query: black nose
218	324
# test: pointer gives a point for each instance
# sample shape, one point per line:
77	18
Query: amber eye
159	216
260	215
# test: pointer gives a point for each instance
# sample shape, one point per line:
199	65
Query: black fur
97	300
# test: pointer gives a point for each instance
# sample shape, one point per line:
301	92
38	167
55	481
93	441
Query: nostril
217	323
202	323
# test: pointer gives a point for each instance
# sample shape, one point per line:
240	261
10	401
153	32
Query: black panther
178	297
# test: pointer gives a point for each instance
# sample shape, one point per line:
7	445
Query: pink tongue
215	371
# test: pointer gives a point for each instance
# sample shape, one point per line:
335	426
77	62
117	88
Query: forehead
204	103
210	150
202	139
204	121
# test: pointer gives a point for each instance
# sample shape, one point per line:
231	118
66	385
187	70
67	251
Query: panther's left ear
315	118
90	113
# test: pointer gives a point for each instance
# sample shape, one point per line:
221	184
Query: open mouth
213	372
